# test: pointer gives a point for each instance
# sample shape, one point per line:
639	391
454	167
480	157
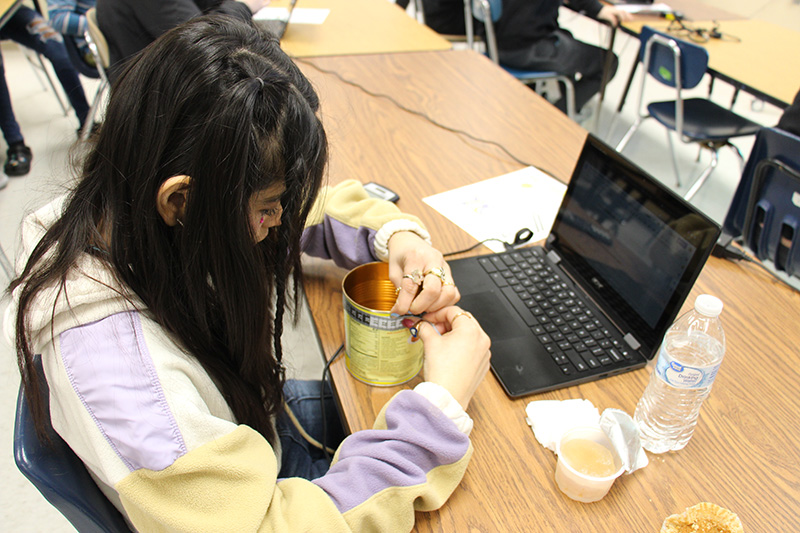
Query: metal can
379	350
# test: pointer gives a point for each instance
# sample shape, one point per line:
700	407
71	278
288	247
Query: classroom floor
51	135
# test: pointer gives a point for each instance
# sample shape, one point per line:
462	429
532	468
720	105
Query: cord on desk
523	236
420	114
726	249
325	372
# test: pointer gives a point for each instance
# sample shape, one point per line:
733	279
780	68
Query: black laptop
597	298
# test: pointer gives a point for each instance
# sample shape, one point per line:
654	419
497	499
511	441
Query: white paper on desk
300	15
501	206
644	9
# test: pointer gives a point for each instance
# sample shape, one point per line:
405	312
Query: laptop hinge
632	342
553	257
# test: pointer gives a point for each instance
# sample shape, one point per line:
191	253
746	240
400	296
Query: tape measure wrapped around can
379	350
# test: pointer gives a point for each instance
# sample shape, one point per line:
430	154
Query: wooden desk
745	454
764	63
359	27
8	8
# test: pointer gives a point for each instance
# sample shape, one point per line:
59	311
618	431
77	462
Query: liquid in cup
587	464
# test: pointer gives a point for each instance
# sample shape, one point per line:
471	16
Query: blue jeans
299	457
8	122
27	27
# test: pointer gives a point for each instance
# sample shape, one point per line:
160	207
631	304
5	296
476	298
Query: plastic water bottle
688	362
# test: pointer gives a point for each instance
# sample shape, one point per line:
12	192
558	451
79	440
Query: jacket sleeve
351	228
161	441
411	461
65	18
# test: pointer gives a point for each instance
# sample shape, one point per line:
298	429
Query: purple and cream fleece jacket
161	442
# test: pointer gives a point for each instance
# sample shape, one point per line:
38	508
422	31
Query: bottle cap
708	305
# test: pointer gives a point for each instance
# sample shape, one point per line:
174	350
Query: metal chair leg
628	134
64	107
703	177
674	159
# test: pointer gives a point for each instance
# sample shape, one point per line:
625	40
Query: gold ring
461	313
397	291
439	273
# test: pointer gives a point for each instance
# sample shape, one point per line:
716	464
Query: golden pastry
704	517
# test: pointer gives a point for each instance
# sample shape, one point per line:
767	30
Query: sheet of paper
645	9
300	15
309	15
501	206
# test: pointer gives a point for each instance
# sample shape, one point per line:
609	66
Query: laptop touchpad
490	310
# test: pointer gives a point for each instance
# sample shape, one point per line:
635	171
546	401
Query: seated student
529	37
155	293
68	17
28	28
130	25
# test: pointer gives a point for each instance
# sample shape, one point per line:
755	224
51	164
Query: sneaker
19	160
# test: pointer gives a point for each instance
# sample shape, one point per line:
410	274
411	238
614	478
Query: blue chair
488	12
59	474
765	211
682	65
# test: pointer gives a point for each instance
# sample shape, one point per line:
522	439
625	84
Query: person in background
130	25
28	28
155	293
68	17
529	37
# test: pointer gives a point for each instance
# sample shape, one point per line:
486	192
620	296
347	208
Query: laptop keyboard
575	338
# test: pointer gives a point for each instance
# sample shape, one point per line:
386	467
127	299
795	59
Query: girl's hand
421	275
456	351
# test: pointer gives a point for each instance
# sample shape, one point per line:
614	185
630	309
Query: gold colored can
379	350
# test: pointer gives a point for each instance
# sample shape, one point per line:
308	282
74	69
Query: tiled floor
51	135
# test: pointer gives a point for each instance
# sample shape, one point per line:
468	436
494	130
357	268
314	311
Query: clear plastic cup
587	464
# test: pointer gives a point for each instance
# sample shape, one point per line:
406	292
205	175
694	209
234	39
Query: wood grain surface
744	454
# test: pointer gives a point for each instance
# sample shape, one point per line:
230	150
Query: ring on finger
439	273
415	276
461	313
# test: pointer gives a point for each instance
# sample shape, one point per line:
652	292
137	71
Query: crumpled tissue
550	419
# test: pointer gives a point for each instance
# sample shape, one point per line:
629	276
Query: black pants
562	53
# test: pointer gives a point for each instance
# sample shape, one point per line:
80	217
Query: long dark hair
217	100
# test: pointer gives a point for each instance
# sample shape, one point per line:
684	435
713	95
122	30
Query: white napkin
550	419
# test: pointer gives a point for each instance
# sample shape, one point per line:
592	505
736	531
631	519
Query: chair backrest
765	210
77	60
98	38
488	12
59	474
672	61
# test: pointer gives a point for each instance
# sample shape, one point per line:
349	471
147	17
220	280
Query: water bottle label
682	376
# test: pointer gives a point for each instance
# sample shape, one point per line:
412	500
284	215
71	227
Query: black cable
521	237
726	250
420	114
325	373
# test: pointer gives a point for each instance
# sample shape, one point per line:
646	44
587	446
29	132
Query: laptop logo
597	283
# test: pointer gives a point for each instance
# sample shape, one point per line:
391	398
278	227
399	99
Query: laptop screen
634	246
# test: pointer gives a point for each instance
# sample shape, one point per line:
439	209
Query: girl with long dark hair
155	294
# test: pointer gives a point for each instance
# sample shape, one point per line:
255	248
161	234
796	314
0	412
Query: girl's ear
171	199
